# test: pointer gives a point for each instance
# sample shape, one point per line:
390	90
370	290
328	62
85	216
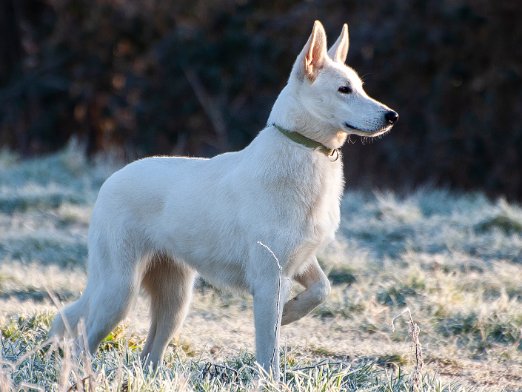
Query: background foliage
199	77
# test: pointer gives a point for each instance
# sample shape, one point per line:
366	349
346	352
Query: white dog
160	220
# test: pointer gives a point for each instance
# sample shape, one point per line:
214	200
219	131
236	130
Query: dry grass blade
416	348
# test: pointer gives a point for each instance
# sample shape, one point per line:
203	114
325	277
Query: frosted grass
454	259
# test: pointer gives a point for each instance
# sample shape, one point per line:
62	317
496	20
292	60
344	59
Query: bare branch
210	106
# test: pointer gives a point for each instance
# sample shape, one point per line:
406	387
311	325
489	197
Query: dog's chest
316	195
324	216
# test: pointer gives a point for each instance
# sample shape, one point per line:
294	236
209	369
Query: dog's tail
67	319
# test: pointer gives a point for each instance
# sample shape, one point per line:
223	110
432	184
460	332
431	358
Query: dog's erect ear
312	57
339	50
316	51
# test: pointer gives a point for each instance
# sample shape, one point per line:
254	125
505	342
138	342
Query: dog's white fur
159	220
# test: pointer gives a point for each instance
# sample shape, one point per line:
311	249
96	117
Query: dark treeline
199	77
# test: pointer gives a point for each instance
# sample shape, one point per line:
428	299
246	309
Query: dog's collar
331	153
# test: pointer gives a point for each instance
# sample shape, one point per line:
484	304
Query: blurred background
137	78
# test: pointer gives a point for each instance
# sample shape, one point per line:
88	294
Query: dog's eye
345	89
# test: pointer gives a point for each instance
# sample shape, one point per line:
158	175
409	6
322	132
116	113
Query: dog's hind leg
66	321
109	305
113	284
110	288
317	288
169	285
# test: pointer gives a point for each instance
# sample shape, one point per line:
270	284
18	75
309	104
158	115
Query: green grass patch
481	332
502	222
344	275
46	201
392	360
398	292
26	328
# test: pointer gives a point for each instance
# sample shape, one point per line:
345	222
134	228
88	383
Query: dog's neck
290	114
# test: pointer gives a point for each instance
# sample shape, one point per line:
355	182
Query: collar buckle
334	155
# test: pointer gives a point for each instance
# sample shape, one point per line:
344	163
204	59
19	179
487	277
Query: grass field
452	261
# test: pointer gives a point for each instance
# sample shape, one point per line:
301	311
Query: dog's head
333	92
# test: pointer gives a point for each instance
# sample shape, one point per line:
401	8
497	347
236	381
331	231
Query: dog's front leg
317	288
269	289
267	319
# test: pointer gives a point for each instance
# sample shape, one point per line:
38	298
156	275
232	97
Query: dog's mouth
368	132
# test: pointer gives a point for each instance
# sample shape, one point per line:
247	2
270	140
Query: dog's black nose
391	117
